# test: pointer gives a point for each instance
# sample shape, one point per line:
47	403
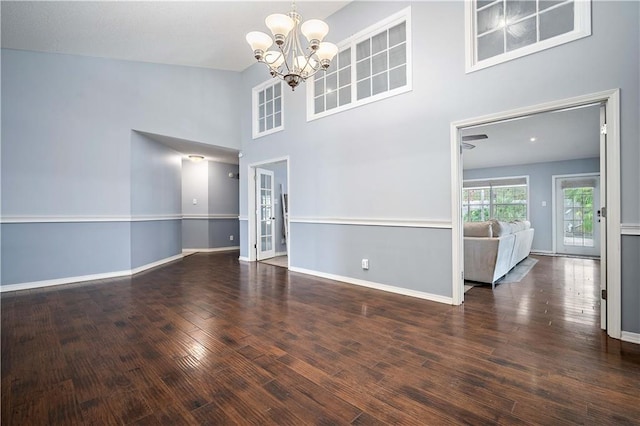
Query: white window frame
255	118
581	29
403	15
496	180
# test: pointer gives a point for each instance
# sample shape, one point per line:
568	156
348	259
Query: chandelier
290	61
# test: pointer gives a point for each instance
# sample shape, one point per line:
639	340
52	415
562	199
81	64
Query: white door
265	215
577	222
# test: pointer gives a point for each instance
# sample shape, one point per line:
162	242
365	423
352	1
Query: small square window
267	108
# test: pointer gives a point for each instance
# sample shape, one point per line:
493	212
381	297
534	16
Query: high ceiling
562	135
209	34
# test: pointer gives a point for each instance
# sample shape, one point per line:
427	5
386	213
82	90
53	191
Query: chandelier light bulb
259	42
304	65
326	51
280	26
314	30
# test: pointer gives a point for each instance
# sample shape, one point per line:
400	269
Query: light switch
544	204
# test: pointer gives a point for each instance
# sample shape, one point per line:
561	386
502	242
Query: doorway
268	207
609	160
576	212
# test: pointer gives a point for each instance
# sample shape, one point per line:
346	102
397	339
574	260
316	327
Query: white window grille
371	65
268	114
502	30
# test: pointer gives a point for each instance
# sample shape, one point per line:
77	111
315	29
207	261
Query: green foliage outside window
578	203
506	203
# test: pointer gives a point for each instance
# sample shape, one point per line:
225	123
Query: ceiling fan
465	140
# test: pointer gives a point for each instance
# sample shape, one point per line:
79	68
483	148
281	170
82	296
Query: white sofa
492	248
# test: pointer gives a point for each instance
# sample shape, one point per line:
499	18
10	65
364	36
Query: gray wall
392	159
48	251
156	174
631	288
540	189
217	195
67	147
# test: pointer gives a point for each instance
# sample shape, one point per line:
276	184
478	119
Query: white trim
243	218
405	223
150	218
209	250
628	336
582	28
255	124
630	228
614	273
244	259
403	15
554	224
281	253
377	286
70	280
86	219
210	216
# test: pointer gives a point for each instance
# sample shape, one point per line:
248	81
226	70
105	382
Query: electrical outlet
230	237
195	201
365	263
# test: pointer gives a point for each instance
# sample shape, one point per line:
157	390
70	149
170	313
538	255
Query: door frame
554	194
611	98
251	205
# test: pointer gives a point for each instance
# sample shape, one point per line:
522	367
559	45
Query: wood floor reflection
211	340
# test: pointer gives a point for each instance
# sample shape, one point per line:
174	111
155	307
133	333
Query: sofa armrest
487	259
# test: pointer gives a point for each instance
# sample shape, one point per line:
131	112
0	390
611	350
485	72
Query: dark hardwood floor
211	340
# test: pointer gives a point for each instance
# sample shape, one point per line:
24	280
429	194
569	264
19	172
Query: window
371	65
503	199
501	30
267	109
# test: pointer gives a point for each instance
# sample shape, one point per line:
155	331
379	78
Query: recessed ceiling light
196	158
532	139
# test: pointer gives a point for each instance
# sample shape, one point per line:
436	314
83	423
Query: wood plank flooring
211	340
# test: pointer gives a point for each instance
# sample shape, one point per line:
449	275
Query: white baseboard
377	286
209	250
244	259
281	253
628	336
81	278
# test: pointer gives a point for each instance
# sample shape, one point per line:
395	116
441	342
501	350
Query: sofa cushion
478	229
520	225
499	229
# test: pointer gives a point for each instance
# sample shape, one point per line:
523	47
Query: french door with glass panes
265	215
577	221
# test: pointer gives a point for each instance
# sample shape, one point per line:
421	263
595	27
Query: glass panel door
265	215
577	227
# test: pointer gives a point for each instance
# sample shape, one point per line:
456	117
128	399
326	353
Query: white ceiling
208	34
562	135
